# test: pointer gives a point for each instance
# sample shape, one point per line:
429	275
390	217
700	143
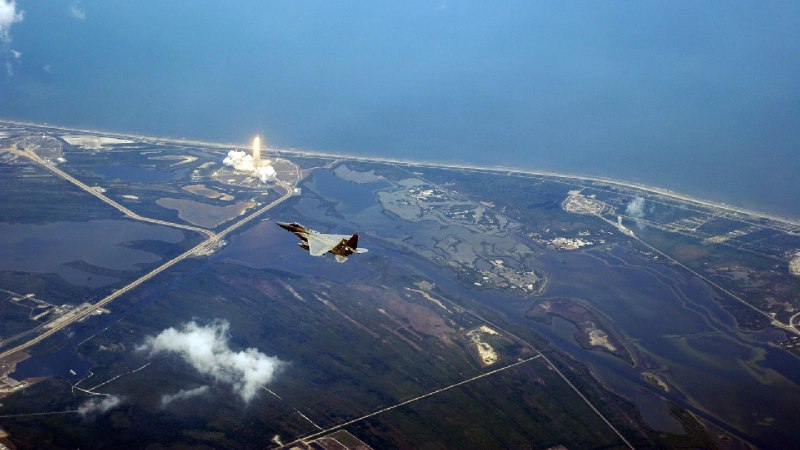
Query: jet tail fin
353	242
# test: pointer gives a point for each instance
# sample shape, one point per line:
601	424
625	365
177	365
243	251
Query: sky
699	97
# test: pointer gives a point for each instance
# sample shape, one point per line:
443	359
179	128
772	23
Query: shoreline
432	164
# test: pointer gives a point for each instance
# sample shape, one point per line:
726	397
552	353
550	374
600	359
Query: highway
204	248
213	239
795	325
97	193
561	375
313	436
774	322
310	437
790	327
431	164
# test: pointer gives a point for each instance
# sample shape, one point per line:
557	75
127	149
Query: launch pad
286	172
251	171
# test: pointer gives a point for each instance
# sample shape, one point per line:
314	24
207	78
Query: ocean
699	97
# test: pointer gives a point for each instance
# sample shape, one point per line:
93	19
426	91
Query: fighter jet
319	243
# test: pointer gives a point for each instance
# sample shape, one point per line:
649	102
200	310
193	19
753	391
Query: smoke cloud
243	162
8	17
239	161
183	394
97	405
635	209
76	11
206	349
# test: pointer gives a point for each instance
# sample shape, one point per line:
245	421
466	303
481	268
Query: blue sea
699	97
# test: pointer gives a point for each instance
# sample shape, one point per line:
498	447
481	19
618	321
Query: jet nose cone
293	227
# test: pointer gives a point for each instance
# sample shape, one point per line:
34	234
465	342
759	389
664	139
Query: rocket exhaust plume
242	162
257	151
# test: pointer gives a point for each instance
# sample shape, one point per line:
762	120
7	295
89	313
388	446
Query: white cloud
8	17
97	405
183	394
635	209
243	162
76	11
16	58
206	349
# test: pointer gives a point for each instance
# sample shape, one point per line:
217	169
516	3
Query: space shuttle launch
242	162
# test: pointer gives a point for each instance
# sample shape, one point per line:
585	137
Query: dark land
494	309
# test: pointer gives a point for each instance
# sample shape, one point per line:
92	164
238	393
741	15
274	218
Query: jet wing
319	244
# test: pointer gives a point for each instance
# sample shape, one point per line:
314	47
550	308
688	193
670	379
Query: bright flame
257	150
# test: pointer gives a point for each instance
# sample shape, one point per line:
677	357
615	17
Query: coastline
432	164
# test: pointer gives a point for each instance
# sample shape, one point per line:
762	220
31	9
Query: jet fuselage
317	243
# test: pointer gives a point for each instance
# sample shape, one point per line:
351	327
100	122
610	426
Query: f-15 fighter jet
319	243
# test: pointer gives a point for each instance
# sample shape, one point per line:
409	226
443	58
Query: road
201	249
307	438
792	321
431	164
213	239
97	193
774	322
206	247
524	342
403	403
